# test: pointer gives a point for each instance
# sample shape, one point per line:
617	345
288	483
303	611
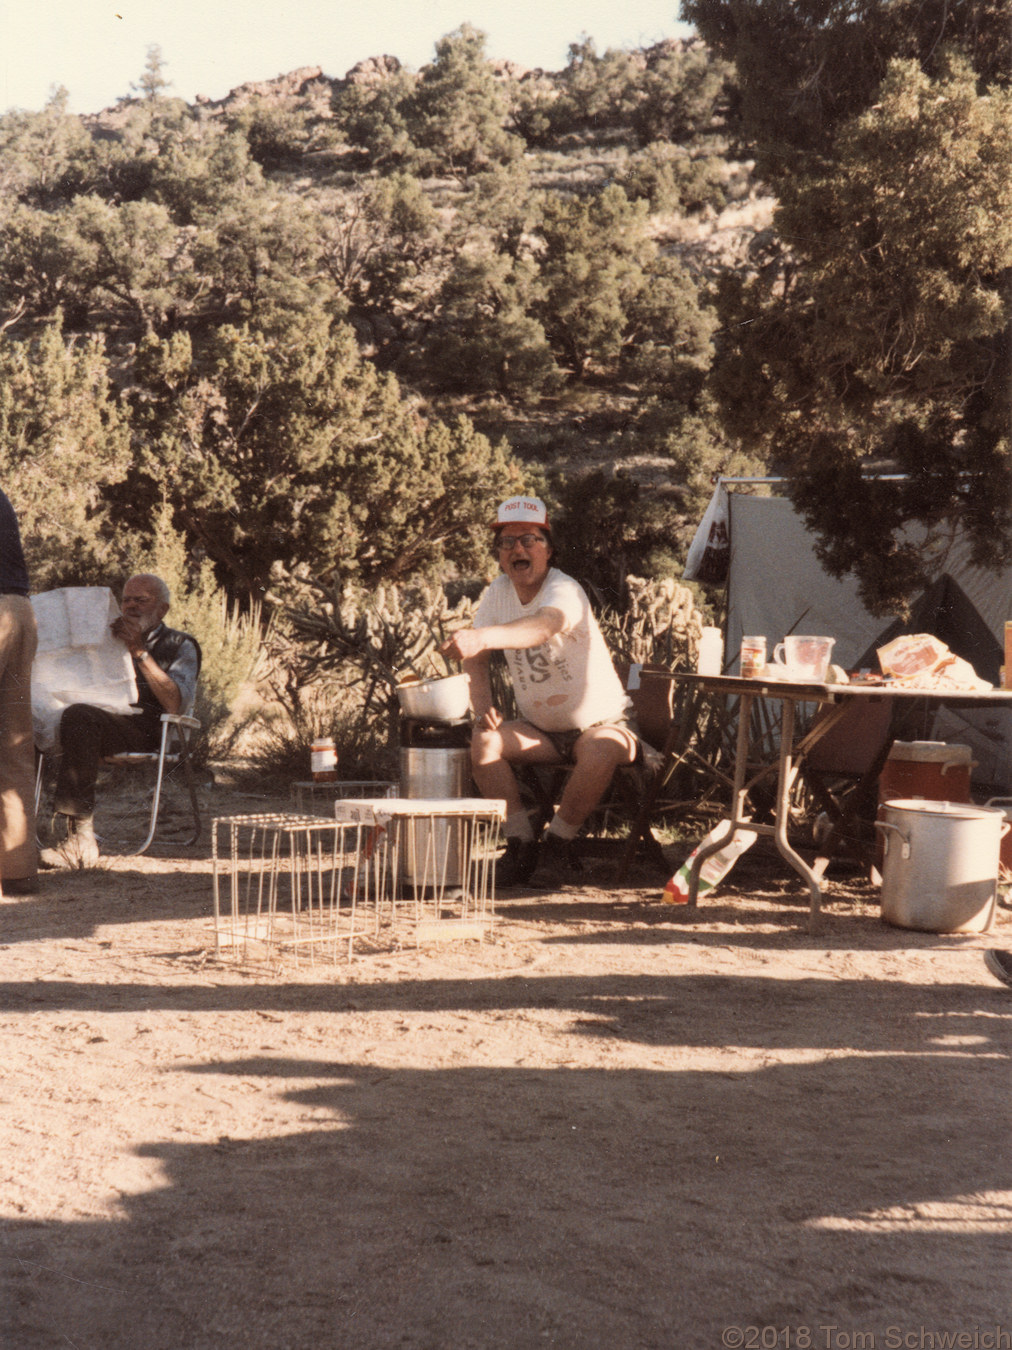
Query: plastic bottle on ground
716	866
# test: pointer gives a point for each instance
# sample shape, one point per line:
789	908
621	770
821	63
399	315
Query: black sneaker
516	866
999	963
558	861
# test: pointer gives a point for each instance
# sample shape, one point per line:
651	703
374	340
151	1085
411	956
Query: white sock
518	826
560	828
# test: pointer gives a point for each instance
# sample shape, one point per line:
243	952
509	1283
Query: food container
932	769
323	760
710	655
752	661
1005	852
445	700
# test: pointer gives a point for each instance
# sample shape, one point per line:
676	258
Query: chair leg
153	818
191	785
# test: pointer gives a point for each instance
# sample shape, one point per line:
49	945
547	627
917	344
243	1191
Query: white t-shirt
569	682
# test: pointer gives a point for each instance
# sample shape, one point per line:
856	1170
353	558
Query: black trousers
87	735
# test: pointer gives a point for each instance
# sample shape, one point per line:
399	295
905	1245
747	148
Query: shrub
659	624
334	659
230	640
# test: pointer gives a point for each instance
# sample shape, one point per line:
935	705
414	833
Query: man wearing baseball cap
571	702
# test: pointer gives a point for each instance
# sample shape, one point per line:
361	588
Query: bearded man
166	666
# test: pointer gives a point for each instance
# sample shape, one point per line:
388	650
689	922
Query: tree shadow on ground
851	1187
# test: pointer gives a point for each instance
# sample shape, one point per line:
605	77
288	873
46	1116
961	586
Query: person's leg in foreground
18	851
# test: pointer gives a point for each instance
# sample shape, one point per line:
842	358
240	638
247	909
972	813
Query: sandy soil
613	1124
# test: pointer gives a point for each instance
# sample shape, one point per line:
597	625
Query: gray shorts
564	741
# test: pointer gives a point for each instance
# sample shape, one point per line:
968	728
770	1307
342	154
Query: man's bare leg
494	751
596	756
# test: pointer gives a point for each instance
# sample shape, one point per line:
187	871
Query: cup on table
805	659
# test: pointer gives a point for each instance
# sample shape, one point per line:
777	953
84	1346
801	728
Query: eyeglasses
510	541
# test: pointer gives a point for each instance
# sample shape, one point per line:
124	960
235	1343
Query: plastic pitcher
805	659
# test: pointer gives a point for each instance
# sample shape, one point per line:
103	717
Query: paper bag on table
922	661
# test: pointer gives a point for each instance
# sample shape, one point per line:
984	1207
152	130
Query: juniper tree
876	332
281	450
63	442
456	114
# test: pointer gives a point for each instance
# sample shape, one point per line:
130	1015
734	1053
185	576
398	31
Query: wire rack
294	887
440	860
386	871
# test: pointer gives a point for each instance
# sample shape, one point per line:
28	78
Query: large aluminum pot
940	869
444	700
432	851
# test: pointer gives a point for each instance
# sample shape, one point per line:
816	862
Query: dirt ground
612	1124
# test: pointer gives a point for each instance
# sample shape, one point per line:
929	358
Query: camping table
836	699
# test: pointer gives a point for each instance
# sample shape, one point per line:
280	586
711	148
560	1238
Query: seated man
571	701
166	664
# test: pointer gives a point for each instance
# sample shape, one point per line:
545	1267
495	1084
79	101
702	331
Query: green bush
231	641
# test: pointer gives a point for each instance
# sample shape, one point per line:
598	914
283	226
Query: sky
96	49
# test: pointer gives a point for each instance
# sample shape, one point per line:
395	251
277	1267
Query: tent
776	585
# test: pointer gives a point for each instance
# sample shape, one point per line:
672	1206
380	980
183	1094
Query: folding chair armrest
181	720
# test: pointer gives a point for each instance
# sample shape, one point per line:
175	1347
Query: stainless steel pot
444	700
940	864
434	774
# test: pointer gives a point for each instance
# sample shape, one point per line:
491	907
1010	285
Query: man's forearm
530	631
164	688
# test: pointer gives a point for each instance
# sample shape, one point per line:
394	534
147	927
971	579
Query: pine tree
877	332
456	115
63	443
592	269
152	83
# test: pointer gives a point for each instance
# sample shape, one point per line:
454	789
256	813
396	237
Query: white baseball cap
522	511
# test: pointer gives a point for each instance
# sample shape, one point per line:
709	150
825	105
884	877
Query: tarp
78	659
776	585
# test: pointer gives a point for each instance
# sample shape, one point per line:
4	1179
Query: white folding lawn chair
112	817
173	753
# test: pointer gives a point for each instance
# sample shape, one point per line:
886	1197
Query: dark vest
164	647
13	575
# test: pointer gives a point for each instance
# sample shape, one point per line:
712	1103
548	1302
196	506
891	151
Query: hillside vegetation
324	323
